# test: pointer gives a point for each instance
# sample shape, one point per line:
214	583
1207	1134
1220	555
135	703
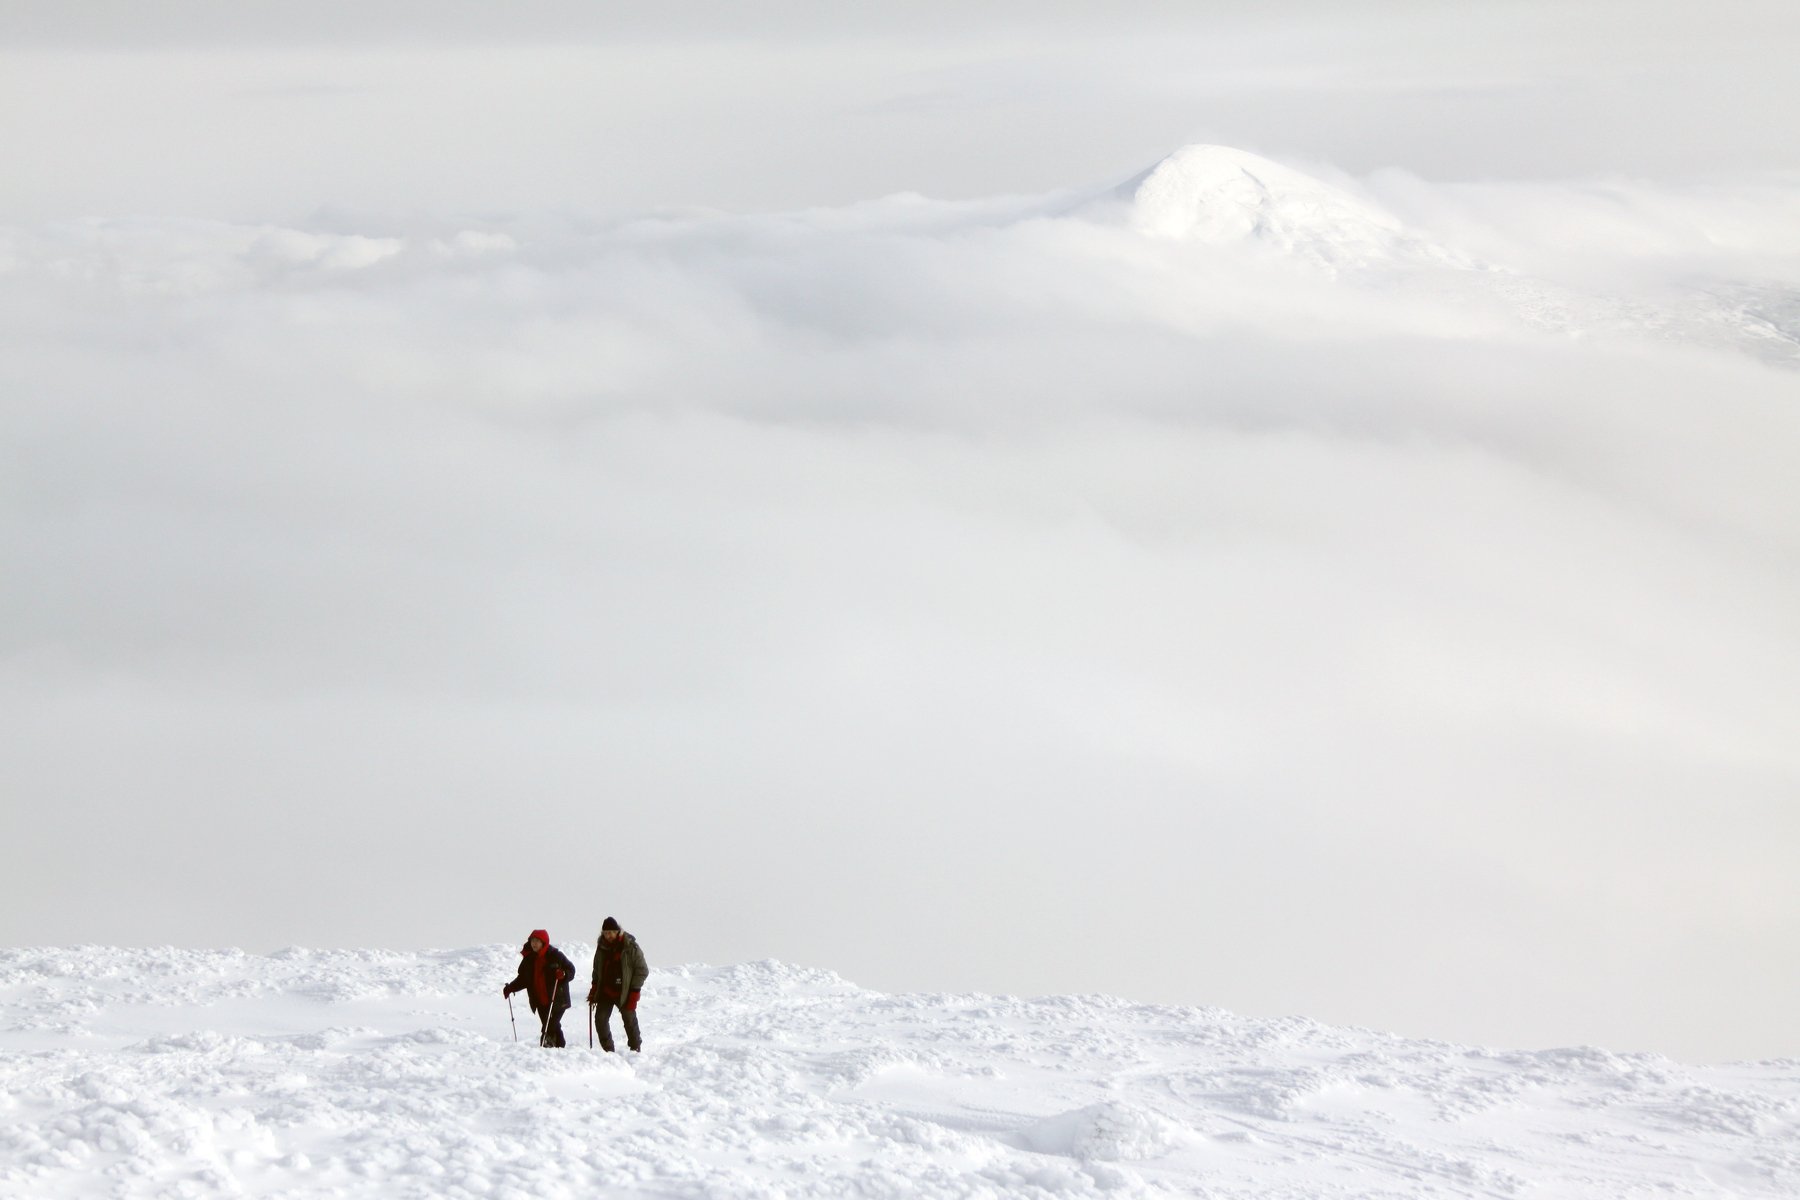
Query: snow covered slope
364	1073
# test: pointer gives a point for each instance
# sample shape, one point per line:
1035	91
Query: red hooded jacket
544	973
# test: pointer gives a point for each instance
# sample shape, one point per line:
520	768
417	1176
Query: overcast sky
460	476
252	111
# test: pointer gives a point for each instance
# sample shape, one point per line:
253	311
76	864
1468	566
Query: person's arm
640	969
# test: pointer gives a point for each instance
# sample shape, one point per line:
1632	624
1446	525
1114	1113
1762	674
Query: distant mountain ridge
1213	204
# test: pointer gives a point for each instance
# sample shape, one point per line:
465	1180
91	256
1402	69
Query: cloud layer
1002	594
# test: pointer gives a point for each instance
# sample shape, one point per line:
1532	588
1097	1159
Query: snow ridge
374	1073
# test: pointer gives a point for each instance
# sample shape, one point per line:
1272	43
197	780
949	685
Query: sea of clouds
998	583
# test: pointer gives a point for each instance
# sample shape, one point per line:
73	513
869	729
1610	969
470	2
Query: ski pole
511	1017
590	1024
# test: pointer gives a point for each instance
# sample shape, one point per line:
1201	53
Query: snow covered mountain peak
1225	196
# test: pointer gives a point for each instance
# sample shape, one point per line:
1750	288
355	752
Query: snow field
168	1073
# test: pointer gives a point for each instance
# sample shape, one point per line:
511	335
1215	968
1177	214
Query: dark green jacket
633	970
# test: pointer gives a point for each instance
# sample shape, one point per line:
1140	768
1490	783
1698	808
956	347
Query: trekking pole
511	1017
590	1024
544	1034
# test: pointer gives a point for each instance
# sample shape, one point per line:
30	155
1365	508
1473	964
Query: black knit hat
607	924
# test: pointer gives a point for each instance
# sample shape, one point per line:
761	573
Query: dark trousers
603	1024
552	1025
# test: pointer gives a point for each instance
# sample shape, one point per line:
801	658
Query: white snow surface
364	1073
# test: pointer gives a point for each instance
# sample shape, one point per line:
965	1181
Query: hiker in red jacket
544	974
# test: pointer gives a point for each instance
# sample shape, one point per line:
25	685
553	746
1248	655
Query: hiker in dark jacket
619	974
544	974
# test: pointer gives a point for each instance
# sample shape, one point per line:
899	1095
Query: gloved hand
593	995
507	990
631	1001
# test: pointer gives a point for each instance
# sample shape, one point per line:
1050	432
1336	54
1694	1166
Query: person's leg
554	1033
633	1038
603	1024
